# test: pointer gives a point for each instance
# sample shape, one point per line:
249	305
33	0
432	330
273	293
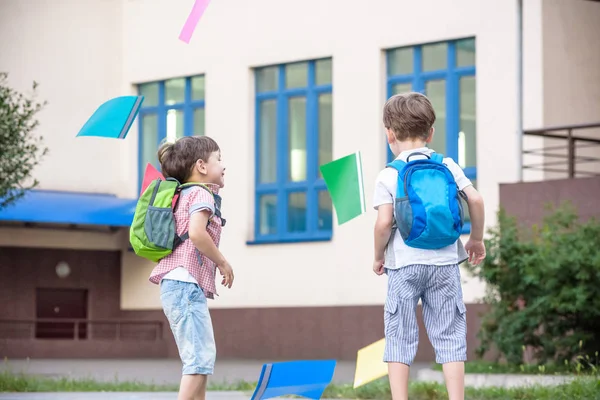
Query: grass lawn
579	367
588	389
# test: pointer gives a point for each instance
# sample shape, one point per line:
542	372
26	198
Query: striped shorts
444	313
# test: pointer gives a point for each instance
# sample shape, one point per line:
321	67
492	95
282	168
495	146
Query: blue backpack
428	211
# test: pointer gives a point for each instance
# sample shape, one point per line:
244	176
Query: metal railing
567	153
81	329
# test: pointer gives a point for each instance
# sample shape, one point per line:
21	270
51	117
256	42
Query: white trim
361	188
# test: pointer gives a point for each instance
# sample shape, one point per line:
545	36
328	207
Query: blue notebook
306	378
113	118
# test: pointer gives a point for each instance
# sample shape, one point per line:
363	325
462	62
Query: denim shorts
444	313
186	310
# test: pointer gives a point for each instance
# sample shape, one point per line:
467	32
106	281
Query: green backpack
153	233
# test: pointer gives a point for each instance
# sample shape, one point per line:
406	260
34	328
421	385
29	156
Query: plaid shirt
186	255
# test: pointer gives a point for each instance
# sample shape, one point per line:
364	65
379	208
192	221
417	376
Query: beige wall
86	52
571	54
74	50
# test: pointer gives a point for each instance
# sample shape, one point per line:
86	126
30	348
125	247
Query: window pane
296	218
400	61
325	129
297	138
198	88
150	93
465	53
175	91
323	72
198	122
268	122
325	212
436	91
149	136
266	79
435	56
174	124
467	137
401	88
268	214
296	75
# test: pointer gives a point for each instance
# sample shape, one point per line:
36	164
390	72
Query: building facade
283	86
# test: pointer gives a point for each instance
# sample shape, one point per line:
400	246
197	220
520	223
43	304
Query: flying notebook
344	180
305	378
369	363
192	20
113	118
150	175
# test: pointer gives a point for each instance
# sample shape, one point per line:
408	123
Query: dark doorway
57	304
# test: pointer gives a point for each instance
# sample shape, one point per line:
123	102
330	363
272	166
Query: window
445	72
293	137
171	109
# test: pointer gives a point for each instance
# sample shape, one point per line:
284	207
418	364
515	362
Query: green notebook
344	180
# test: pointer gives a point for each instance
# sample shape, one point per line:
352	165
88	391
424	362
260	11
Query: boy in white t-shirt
414	273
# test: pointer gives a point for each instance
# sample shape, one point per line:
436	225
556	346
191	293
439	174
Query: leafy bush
544	288
20	150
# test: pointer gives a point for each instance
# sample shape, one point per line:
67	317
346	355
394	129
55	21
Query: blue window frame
293	137
445	72
172	108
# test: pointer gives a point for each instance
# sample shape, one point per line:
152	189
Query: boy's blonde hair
177	159
409	116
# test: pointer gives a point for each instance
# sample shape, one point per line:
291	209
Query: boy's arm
201	239
205	245
476	211
383	229
475	247
383	202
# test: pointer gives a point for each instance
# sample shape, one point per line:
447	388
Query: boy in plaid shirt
187	276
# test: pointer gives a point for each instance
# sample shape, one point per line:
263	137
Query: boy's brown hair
409	116
177	159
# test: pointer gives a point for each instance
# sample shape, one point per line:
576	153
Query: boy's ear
390	135
201	166
430	137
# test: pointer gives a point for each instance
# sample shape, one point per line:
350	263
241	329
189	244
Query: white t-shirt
398	254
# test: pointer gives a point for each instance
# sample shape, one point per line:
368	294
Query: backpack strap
437	157
398	165
217	205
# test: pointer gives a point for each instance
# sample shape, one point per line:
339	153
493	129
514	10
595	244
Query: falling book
344	180
305	378
113	118
192	20
150	175
369	363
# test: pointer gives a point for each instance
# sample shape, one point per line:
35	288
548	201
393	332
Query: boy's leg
454	376
187	312
400	324
444	314
398	376
192	387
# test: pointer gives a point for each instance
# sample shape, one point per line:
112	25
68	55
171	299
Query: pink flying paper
192	20
150	175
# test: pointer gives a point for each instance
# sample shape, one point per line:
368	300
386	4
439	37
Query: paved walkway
160	371
117	396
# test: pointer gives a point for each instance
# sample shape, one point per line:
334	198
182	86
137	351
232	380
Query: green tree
20	150
543	288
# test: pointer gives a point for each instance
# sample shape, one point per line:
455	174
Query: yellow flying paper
369	363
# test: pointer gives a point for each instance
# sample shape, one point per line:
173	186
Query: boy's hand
476	251
227	274
378	267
